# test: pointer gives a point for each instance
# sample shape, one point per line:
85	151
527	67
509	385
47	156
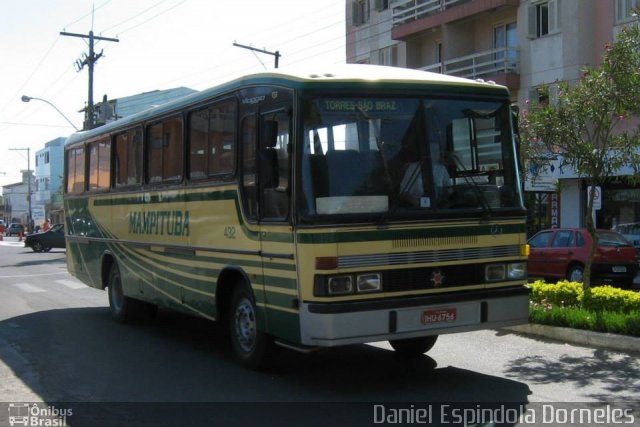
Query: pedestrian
45	226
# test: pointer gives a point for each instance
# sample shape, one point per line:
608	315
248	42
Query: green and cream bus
308	210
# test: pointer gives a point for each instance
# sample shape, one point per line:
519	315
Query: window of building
544	18
165	151
544	95
212	141
360	12
381	5
505	42
75	170
128	158
100	164
625	8
388	56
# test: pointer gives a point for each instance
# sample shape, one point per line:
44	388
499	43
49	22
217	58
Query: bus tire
248	342
122	307
413	347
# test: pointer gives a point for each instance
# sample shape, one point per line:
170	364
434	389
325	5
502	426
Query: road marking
72	284
34	275
28	288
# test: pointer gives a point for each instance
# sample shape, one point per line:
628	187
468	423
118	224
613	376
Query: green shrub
563	294
601	309
607	298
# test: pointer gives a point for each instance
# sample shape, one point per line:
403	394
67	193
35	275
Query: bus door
266	180
276	237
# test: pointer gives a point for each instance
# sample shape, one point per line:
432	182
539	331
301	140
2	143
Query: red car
561	253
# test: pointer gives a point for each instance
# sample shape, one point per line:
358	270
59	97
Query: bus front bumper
334	324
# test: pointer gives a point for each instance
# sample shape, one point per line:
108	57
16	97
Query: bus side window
212	141
128	158
274	165
75	170
165	151
248	133
100	165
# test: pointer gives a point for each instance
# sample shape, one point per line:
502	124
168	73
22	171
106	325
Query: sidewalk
12	241
579	337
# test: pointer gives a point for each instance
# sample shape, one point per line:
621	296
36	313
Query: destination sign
353	105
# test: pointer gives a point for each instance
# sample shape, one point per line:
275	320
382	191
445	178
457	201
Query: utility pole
89	60
276	53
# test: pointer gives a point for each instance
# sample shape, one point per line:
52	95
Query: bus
308	210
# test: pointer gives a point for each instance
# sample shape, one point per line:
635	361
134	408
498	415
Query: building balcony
500	65
411	17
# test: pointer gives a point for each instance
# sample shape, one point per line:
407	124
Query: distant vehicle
14	229
631	232
43	242
562	253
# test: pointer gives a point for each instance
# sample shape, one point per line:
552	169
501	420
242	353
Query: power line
132	17
34	124
152	18
93	10
20	89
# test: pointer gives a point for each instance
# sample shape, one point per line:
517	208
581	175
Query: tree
592	126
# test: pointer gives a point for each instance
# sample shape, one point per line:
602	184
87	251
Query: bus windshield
402	158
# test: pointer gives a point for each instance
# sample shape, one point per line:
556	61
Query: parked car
43	242
631	232
562	253
14	229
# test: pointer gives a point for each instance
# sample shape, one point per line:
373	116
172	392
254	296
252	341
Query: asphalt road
59	346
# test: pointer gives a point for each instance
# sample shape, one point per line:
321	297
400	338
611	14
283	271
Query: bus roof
333	77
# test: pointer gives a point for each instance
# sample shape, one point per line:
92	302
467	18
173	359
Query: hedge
601	309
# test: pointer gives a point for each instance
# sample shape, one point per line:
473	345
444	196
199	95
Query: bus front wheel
413	347
248	342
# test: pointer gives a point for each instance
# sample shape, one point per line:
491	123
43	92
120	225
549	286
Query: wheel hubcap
576	276
245	325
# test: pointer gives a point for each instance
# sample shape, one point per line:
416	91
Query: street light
26	98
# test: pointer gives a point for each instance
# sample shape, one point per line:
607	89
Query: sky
162	44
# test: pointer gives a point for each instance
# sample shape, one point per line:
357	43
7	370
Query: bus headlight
371	282
494	272
517	270
347	284
340	285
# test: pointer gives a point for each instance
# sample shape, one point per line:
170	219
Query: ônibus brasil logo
33	414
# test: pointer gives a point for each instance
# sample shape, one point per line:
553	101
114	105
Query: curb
580	336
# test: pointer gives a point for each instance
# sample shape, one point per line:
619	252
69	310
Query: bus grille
434	241
422	278
434	256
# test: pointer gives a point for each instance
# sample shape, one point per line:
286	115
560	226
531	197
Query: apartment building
522	44
47	191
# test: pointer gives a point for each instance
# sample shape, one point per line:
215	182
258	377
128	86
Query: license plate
619	269
438	316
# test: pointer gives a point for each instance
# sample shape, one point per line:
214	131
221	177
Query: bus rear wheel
413	347
125	309
121	306
248	342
